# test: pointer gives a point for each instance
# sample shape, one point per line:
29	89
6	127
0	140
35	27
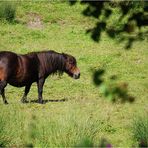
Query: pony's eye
72	62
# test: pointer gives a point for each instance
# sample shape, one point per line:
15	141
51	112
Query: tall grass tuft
3	138
140	130
85	142
7	11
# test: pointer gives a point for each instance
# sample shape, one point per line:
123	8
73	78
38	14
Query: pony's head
71	66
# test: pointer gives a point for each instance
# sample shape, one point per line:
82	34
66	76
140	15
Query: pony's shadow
50	100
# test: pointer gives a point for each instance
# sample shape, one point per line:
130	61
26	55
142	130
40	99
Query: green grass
140	130
7	11
85	113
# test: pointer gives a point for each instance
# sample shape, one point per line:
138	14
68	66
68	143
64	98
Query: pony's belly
17	83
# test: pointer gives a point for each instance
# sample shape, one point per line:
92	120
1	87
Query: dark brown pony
23	70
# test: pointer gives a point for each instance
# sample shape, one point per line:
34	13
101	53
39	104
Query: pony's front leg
40	84
24	98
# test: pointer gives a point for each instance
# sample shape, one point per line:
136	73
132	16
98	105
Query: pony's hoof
6	102
40	101
24	101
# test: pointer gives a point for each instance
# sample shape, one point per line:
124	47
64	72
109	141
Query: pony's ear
64	55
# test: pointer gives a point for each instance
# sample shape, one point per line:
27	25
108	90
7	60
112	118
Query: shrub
7	11
140	130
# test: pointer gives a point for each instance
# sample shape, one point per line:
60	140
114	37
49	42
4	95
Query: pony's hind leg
3	96
2	91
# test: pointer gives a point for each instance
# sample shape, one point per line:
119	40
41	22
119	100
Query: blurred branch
132	18
112	90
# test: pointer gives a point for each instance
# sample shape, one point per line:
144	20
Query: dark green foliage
129	25
116	91
112	90
98	76
7	11
140	130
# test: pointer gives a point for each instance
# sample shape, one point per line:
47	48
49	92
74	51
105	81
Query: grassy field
84	114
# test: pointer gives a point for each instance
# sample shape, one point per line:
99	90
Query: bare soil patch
35	21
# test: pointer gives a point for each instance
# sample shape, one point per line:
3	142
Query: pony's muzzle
76	76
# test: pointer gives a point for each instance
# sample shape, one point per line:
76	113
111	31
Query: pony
22	70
